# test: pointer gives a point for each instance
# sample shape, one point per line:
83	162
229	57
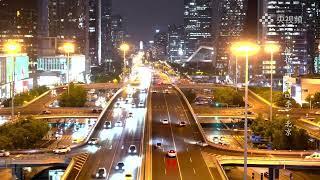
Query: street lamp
311	97
124	47
271	48
68	48
12	48
245	49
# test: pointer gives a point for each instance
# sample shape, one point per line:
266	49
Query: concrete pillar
273	173
17	172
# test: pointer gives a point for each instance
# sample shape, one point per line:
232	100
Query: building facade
229	21
160	45
286	22
198	24
176	49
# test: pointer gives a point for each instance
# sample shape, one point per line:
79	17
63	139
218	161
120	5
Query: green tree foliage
315	99
26	96
76	98
228	95
283	100
23	134
190	95
275	130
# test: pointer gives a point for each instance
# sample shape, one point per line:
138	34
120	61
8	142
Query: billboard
21	67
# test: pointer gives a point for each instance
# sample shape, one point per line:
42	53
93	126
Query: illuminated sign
21	68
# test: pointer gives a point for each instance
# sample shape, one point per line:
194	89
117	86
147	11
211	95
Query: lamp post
271	48
245	49
311	97
236	80
68	48
12	48
124	47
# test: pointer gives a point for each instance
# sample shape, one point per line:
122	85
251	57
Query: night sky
143	17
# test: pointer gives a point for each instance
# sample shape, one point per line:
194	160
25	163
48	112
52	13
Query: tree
284	99
315	99
190	95
76	97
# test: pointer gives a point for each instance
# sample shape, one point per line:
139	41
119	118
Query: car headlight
97	175
135	151
117	167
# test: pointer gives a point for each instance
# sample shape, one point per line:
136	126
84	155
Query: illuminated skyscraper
229	21
287	22
198	24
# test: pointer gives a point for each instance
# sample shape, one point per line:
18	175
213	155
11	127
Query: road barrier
68	170
147	159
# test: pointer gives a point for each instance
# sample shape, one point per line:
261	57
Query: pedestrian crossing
80	160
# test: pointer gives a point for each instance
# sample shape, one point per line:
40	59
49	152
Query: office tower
198	24
117	31
176	49
160	45
286	22
229	19
106	43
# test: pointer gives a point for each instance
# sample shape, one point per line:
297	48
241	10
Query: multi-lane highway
189	163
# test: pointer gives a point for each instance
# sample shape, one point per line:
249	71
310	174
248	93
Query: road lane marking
190	159
194	171
174	143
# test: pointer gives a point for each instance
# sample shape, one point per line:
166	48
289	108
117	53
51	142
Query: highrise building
106	43
176	49
229	19
160	45
287	23
117	31
198	24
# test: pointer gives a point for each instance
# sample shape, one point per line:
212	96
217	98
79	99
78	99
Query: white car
93	141
133	105
118	124
4	153
284	110
165	121
141	104
130	115
182	123
62	150
201	143
166	91
172	153
101	173
313	156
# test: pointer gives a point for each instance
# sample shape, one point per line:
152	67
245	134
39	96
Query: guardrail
68	170
147	165
192	112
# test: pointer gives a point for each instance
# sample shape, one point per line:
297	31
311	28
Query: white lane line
194	171
174	143
190	159
187	149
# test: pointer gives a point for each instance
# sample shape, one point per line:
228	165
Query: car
141	104
4	153
266	174
171	153
128	176
182	123
166	91
133	105
130	115
118	124
46	112
94	111
154	91
101	173
201	143
158	145
117	104
120	166
132	149
61	150
127	101
93	141
313	156
317	113
107	125
284	110
170	87
165	121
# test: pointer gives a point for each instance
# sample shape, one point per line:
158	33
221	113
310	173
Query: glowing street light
12	48
246	49
271	48
124	47
68	48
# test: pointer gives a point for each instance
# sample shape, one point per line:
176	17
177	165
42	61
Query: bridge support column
273	173
17	172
